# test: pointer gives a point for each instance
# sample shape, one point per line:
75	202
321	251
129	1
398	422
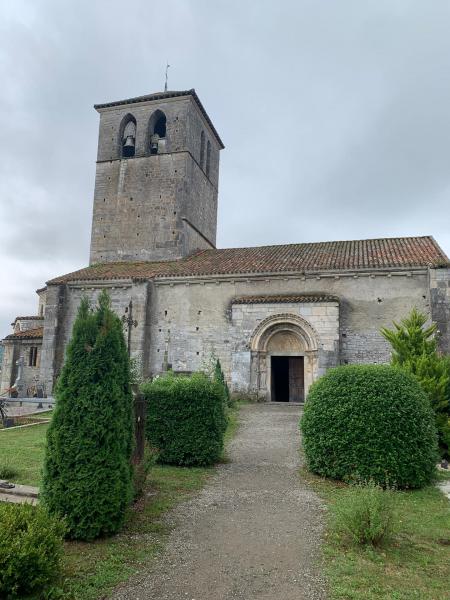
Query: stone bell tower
156	179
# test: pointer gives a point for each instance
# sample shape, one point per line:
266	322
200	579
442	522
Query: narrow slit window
32	362
208	158
202	150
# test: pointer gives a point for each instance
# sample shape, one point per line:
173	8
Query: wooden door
296	379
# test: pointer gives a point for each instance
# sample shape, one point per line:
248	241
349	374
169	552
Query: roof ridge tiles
348	255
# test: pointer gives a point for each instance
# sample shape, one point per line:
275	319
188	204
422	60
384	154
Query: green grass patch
45	415
233	420
415	565
23	450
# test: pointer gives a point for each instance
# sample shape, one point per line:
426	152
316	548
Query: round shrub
31	547
370	423
185	419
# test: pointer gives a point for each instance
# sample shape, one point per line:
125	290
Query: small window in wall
202	150
32	360
208	158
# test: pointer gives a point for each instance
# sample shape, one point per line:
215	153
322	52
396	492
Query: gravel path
253	532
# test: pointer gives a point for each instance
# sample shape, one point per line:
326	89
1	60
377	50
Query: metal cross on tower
167	74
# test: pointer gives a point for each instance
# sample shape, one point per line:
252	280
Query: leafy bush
185	419
414	349
31	548
365	514
370	422
87	468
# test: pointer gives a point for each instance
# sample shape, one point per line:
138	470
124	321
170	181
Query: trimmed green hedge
186	419
31	548
370	422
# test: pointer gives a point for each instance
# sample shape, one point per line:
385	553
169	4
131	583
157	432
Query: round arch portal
284	358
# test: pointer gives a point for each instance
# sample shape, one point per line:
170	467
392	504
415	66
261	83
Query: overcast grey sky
335	116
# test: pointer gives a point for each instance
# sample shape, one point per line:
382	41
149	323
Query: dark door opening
287	374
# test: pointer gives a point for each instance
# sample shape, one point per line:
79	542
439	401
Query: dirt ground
253	532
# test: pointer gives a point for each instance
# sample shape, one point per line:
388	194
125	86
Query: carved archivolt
293	325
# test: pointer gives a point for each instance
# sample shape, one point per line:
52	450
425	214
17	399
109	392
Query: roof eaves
311	272
284	298
28	334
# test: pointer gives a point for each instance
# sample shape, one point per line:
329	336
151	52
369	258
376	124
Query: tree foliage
87	469
414	349
220	378
370	423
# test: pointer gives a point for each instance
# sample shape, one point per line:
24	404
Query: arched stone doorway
284	358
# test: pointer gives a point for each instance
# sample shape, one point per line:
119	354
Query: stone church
276	316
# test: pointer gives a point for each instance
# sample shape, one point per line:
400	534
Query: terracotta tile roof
284	298
163	96
35	318
29	334
384	253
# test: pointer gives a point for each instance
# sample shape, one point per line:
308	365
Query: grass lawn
23	450
415	566
92	570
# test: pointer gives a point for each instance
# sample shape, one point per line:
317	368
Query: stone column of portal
311	368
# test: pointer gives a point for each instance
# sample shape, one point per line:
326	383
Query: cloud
334	116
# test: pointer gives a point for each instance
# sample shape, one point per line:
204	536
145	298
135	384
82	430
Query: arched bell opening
127	137
157	127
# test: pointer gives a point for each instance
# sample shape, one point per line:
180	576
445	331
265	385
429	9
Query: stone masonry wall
440	301
14	349
140	202
62	307
181	322
7	373
191	319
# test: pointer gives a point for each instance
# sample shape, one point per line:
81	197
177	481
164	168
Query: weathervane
167	72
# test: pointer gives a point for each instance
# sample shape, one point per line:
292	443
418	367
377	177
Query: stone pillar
440	305
50	339
7	372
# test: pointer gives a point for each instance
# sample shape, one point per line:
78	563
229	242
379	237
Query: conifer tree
411	338
87	469
220	377
414	348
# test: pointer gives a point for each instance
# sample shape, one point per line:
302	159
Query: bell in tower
129	140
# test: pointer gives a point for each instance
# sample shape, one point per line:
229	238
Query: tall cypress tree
87	469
